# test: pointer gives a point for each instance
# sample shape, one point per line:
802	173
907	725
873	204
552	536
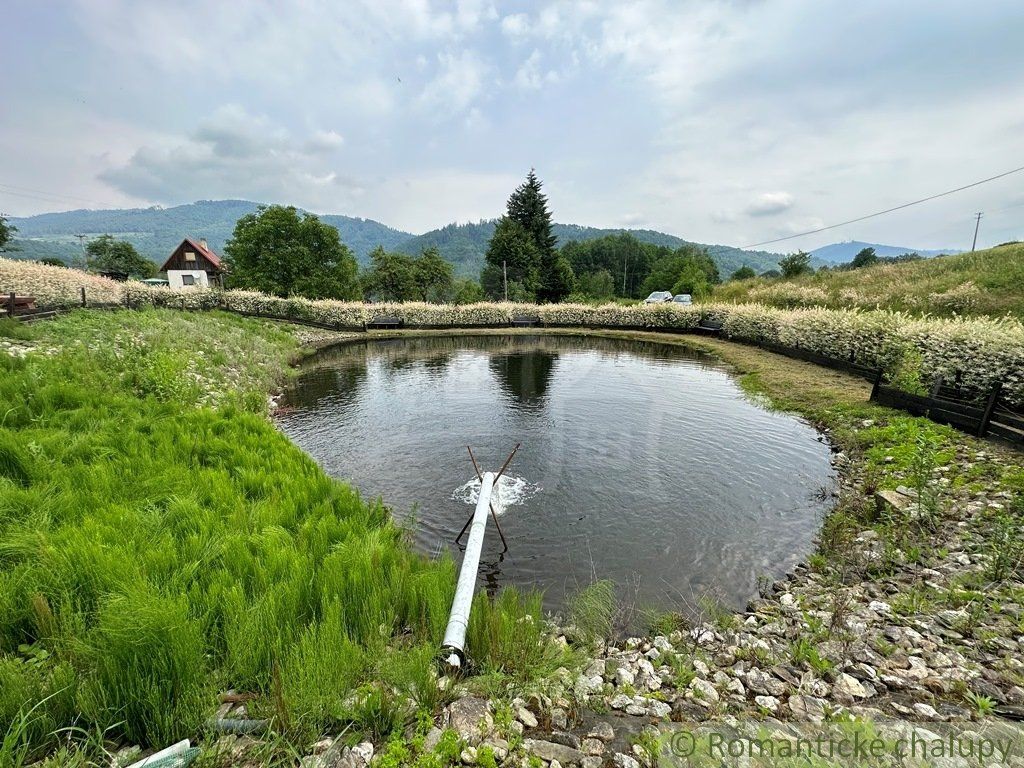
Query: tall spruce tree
525	244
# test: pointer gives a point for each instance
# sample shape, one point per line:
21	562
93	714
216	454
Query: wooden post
10	305
877	383
990	406
82	291
936	388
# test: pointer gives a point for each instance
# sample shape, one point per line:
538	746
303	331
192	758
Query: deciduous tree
434	276
106	254
865	257
512	252
7	231
690	269
796	264
281	251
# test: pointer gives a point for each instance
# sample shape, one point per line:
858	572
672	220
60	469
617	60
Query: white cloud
531	75
235	154
515	25
420	201
325	141
770	203
457	84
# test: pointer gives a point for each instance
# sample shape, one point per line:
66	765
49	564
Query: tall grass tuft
149	668
506	636
592	609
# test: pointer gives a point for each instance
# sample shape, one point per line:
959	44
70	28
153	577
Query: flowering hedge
982	351
56	286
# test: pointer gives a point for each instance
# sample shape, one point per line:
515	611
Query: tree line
283	251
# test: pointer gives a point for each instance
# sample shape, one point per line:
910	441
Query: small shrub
907	375
378	712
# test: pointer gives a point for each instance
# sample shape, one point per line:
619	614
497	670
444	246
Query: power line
41	192
887	210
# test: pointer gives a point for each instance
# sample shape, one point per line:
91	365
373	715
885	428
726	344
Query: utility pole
81	243
504	276
977	223
625	256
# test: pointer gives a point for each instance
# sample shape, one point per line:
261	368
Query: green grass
15	329
982	283
161	541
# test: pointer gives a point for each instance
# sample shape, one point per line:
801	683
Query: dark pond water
641	463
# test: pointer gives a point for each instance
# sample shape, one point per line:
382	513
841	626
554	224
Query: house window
188	279
190	256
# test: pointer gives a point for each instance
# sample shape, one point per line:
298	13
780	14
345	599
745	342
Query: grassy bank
161	542
976	284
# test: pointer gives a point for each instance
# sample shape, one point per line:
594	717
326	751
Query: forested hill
156	231
465	245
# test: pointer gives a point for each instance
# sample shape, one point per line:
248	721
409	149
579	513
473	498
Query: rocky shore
913	618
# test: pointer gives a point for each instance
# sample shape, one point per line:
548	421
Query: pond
642	463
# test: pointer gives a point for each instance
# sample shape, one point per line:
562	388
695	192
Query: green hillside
465	245
156	231
989	282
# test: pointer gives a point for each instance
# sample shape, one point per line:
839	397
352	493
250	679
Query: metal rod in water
454	644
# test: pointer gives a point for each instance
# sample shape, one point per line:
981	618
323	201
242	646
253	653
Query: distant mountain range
842	253
156	231
466	244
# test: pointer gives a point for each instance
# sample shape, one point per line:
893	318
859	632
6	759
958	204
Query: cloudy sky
728	122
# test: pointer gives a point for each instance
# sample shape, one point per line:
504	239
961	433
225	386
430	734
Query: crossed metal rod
494	515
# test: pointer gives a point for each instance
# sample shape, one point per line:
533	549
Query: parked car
683	298
658	297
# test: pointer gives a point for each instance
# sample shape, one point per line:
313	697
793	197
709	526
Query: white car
658	297
682	298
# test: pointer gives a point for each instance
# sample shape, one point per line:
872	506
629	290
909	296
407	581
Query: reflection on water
524	376
645	463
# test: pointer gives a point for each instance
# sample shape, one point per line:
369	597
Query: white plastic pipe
172	751
455	634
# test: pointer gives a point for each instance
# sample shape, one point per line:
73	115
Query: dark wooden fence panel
943	411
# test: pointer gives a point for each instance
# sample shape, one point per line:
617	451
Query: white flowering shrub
978	351
57	286
140	294
981	351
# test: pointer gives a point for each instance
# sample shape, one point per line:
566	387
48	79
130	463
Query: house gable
193	256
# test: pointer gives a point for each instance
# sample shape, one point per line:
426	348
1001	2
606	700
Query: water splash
510	491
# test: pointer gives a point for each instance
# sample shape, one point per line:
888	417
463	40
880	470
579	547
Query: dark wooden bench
19	305
525	321
384	322
710	327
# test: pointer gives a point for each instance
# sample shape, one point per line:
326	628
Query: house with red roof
193	263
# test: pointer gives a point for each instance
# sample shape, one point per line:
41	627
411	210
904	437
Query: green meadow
975	284
161	542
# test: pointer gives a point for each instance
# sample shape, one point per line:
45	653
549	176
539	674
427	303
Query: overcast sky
725	122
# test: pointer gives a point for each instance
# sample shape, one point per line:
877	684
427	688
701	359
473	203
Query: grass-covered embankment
977	284
161	541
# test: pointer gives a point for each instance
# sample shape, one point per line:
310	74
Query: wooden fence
947	405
